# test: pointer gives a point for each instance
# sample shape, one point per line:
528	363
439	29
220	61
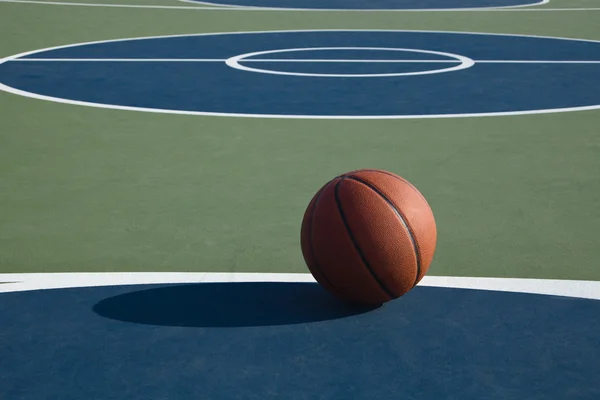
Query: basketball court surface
157	156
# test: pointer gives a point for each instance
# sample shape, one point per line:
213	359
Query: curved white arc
43	281
234	62
552	287
539	3
216	5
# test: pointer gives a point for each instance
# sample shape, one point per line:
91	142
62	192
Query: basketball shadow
227	305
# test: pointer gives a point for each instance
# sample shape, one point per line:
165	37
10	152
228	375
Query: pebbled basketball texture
368	236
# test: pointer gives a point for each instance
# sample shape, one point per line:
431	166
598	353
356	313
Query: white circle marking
465	62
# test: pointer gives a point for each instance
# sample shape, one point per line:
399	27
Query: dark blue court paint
211	86
293	341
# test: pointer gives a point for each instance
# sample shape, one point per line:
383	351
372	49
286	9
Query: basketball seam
399	178
402	219
355	243
310	240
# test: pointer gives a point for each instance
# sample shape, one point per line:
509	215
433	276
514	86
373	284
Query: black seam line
402	219
355	243
396	177
310	238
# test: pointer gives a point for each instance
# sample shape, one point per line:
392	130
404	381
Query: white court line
497	9
295	60
43	281
212	4
121	59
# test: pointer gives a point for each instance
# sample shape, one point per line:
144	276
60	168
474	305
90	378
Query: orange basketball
368	236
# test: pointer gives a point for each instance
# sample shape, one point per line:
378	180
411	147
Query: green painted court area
87	189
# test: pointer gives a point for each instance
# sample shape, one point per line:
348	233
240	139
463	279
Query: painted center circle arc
457	62
306	74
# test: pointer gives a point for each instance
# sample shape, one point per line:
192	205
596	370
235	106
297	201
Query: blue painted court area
318	74
294	341
375	4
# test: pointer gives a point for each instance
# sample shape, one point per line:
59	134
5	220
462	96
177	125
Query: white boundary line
44	281
539	3
299	60
60	3
212	4
265	60
12	90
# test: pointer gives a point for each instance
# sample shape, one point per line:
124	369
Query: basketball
368	236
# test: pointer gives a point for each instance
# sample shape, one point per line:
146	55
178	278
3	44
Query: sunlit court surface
176	216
